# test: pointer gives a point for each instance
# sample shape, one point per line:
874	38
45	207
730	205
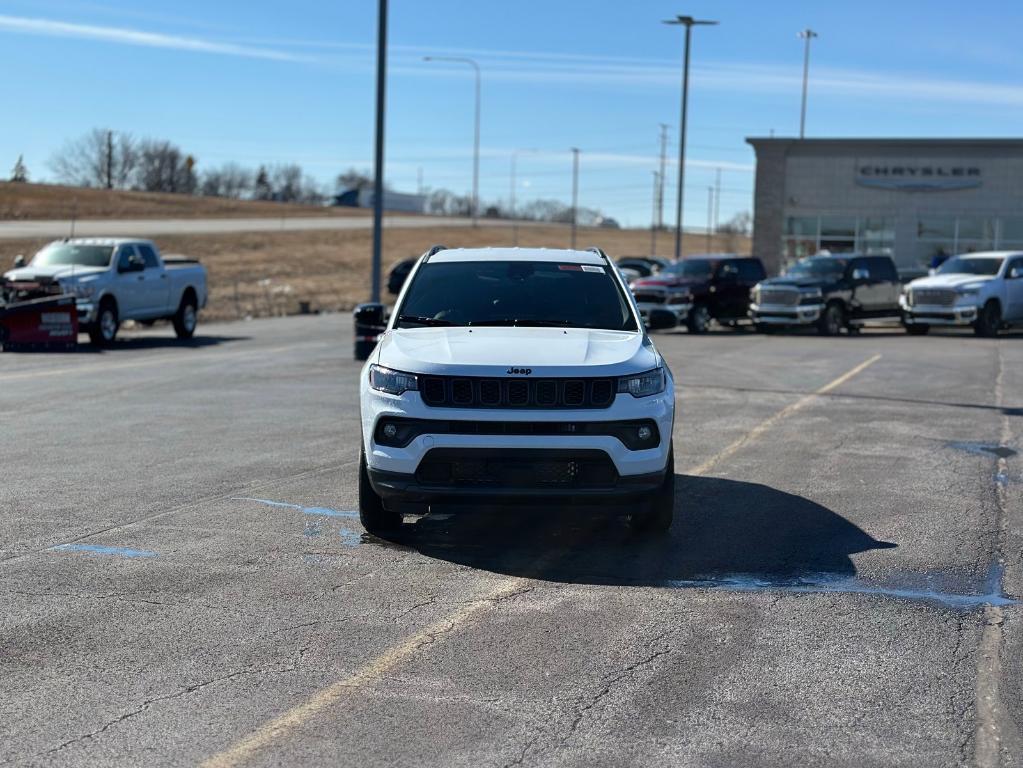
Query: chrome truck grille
782	297
932	297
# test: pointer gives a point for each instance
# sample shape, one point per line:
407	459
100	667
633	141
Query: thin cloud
63	29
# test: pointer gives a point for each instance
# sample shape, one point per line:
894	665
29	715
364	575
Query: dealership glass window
976	229
936	228
806	235
1010	232
806	226
838	227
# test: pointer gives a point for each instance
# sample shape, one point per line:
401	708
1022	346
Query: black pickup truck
700	289
829	293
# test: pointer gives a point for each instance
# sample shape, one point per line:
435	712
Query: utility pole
710	215
419	181
807	34
655	213
378	154
717	198
660	187
110	159
575	192
688	22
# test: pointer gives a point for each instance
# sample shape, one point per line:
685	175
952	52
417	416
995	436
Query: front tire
698	319
832	321
186	318
657	513
103	332
989	321
374	517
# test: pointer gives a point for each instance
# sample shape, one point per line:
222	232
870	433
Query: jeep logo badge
523	371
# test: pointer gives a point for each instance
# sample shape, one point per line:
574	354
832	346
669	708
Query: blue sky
264	82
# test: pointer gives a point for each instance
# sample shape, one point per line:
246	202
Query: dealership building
910	198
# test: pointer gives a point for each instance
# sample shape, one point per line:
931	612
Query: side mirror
1016	272
19	261
861	274
659	319
133	265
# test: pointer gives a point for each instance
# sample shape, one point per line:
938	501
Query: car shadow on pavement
128	343
722	528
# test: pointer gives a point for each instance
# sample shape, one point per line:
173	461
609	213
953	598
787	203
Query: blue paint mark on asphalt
101	550
830	583
320	511
350	538
312	528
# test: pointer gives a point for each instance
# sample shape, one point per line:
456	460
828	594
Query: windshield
691	268
817	266
68	253
524	293
960	265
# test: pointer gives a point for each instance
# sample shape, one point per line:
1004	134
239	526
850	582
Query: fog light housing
390	431
644	433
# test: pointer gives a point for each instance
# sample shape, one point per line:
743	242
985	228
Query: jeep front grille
465	392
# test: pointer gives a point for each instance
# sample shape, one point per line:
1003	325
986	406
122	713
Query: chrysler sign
917	177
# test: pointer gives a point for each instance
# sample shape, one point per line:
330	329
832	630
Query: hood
55	271
492	351
668	281
949	281
797	282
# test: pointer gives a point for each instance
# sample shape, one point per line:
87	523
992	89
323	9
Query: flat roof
517	254
1014	143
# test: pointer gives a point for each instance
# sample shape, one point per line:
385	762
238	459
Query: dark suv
701	288
830	293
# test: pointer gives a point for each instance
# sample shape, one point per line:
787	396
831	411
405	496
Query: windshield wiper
524	323
422	320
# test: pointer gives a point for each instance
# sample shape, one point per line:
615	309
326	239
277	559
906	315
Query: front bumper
86	312
921	314
681	311
626	463
774	314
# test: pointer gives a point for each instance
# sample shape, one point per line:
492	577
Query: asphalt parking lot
184	581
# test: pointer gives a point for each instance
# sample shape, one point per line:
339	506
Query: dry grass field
50	201
261	274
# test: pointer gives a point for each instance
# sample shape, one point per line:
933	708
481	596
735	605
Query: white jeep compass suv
509	374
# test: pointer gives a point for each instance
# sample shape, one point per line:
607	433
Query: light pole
688	22
808	35
511	191
575	192
378	153
655	214
476	135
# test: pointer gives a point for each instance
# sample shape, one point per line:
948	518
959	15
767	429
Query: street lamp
476	139
378	150
808	35
688	22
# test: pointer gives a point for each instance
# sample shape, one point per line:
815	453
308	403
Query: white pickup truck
117	279
983	290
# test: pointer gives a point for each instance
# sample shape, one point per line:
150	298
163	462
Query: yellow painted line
201	356
784	413
283	724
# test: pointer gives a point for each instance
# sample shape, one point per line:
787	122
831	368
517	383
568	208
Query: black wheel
374	517
698	318
832	321
989	320
917	329
186	317
656	514
103	332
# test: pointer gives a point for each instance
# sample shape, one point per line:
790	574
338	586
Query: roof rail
600	253
433	249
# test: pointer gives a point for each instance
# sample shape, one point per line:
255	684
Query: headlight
643	384
80	290
393	382
812	293
969	290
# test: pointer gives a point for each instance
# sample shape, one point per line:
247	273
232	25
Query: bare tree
286	181
262	189
353	179
19	173
163	168
229	180
100	158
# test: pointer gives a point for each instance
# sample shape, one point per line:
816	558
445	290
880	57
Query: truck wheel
656	515
832	321
698	318
374	517
989	320
917	329
103	332
185	318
